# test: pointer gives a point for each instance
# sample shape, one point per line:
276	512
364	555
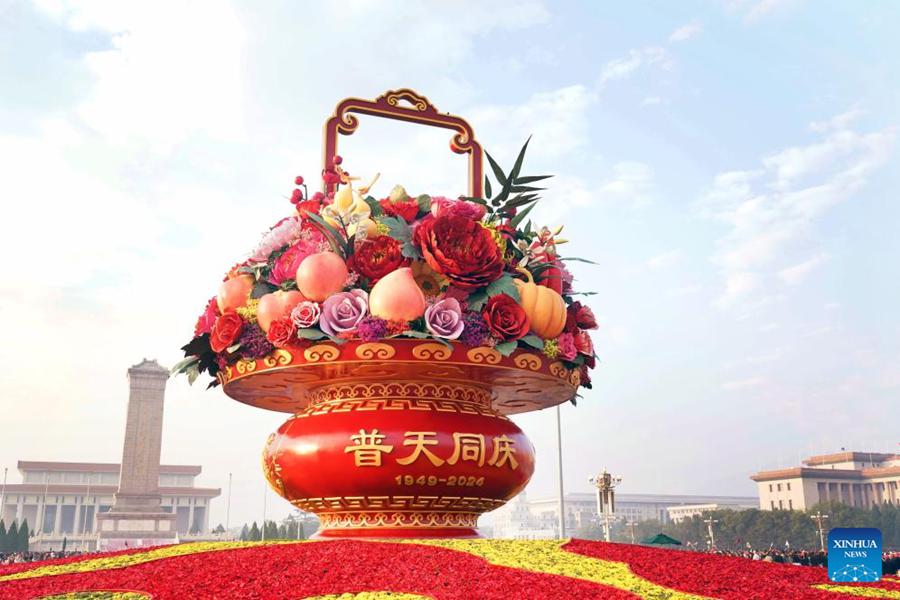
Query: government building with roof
60	501
860	479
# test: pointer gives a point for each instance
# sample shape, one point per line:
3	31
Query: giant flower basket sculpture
399	333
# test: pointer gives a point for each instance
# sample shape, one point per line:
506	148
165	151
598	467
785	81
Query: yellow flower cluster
548	556
128	560
248	312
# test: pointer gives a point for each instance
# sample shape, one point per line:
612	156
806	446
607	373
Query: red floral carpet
439	569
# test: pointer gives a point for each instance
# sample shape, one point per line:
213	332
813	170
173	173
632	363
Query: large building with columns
60	500
860	479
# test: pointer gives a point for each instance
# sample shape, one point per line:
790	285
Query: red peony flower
206	321
583	343
282	332
225	331
460	249
405	209
378	256
505	318
579	316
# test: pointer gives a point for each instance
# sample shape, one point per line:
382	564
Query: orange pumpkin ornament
545	308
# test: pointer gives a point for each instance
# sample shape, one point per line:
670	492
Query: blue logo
854	554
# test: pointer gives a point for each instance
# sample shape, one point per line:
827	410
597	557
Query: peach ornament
321	275
397	297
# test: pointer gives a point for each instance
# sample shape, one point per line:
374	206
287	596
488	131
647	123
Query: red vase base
397	533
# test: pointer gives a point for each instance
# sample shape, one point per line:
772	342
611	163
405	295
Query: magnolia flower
347	210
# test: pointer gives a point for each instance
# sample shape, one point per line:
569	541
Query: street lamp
819	518
709	527
606	498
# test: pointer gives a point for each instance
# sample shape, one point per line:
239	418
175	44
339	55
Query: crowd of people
10	558
890	561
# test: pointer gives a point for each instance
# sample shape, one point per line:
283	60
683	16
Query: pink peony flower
343	311
444	319
305	314
567	349
284	232
463	208
285	267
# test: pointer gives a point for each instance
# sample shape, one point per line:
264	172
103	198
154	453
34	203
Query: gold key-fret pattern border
337	504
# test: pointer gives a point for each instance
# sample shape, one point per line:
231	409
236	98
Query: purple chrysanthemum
371	329
254	343
476	329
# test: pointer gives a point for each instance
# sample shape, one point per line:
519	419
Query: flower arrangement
348	266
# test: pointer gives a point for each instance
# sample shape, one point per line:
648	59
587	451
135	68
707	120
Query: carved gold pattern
483	354
417	520
393	97
245	366
321	352
528	361
278	357
399	395
335	504
559	370
431	351
375	351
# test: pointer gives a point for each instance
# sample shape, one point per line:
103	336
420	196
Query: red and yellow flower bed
438	569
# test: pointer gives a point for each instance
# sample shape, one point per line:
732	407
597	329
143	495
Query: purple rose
444	318
343	311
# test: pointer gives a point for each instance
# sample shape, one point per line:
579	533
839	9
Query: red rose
225	331
282	332
206	321
405	209
461	249
584	345
505	318
579	316
378	256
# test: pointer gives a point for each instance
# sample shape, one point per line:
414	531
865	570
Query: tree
219	529
4	545
255	535
245	533
23	536
12	538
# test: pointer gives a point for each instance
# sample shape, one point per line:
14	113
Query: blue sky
732	167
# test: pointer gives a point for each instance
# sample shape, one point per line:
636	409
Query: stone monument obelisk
136	517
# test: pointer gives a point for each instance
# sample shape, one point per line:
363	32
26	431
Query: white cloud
797	273
686	32
769	210
753	11
740	384
653	101
663	260
626	66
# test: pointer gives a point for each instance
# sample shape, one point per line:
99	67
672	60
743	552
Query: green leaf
584	260
184	364
498	172
514	222
481	201
410	250
424	202
310	333
526	188
530	179
398	228
477	299
504	285
416	334
335	238
505	348
288	285
197	346
519	159
192	374
533	341
374	206
261	288
487	187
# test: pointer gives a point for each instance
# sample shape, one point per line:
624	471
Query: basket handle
422	111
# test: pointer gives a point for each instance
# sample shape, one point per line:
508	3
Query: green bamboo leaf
530	179
519	160
514	222
487	187
498	172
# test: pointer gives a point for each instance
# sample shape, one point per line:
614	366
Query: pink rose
343	311
306	314
285	267
444	319
463	208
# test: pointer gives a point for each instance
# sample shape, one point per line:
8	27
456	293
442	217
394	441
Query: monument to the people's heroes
136	517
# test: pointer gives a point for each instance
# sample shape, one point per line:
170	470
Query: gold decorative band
417	520
399	395
399	504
